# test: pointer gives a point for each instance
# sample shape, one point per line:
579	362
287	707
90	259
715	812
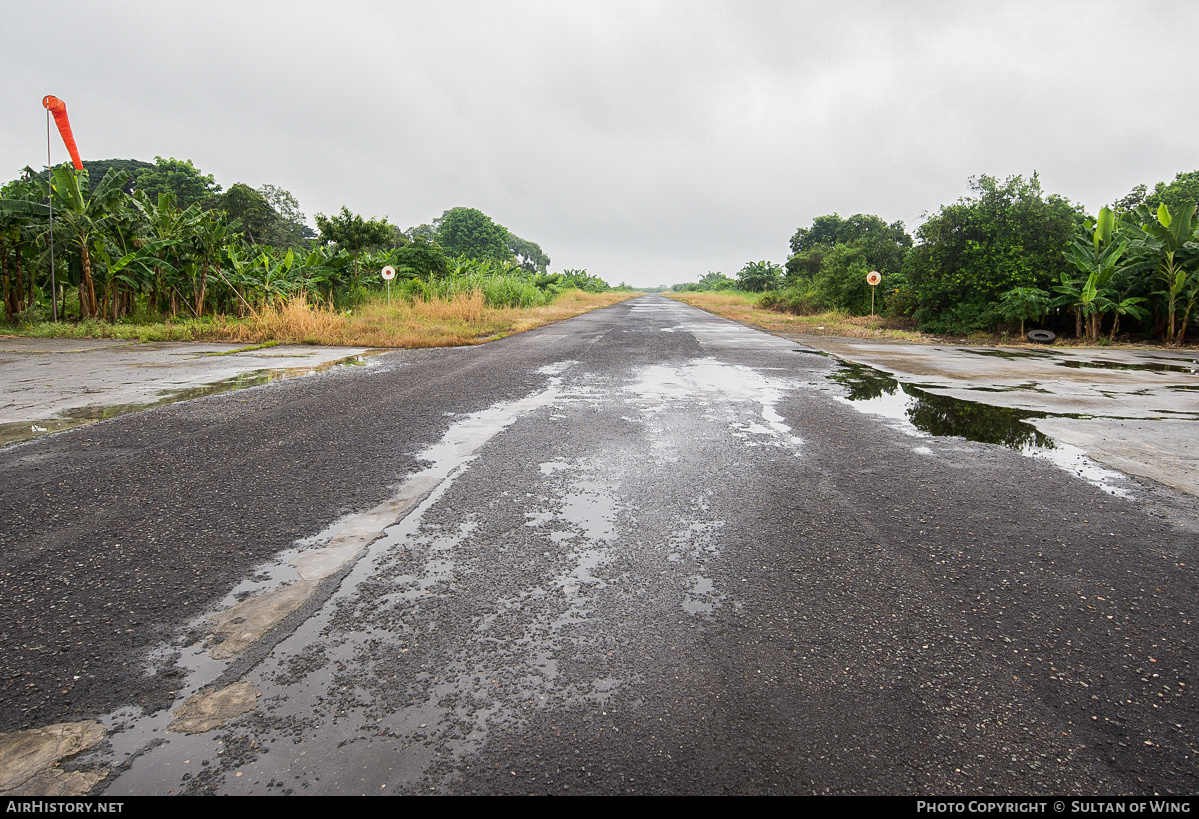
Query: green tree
262	223
180	178
129	257
583	281
207	242
424	257
829	261
470	234
1006	235
717	281
288	209
350	232
1184	189
1129	201
804	265
712	280
355	235
884	245
841	281
528	254
1123	306
98	168
84	217
426	230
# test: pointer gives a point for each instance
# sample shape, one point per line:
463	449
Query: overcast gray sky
648	142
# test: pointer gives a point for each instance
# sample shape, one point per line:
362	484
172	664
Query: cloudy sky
648	142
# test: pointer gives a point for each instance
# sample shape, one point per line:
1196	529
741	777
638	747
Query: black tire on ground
1041	336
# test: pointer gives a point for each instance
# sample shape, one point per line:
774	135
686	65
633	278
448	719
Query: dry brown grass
569	304
461	320
743	307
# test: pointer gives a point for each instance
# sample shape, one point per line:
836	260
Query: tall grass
463	318
459	318
499	290
433	322
747	308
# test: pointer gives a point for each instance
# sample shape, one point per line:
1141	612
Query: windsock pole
50	192
58	108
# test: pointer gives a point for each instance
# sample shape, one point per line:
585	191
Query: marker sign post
872	279
388	273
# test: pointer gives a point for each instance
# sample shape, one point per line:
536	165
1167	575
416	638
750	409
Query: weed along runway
644	550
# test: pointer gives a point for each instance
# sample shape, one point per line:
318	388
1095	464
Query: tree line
1005	254
163	239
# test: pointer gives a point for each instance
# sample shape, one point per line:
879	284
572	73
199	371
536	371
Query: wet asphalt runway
652	551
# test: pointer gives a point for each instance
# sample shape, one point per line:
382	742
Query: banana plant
1099	260
208	235
1070	296
1171	239
276	286
324	270
85	217
1190	291
1124	307
127	257
242	271
18	216
167	223
123	271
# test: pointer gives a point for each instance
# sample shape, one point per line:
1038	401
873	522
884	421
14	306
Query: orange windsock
59	109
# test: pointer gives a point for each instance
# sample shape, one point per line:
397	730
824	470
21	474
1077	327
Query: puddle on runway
1178	365
1010	355
15	432
1191	368
922	413
939	415
1031	386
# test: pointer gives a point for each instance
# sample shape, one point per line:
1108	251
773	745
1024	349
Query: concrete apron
51	384
1139	408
